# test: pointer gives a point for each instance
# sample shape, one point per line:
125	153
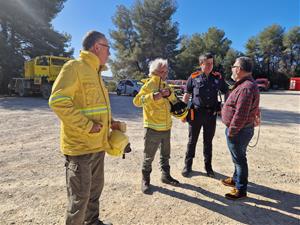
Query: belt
208	109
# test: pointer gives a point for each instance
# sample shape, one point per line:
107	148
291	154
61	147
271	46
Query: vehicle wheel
134	93
21	90
118	92
9	88
46	90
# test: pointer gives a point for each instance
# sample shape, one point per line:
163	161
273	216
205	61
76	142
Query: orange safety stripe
195	74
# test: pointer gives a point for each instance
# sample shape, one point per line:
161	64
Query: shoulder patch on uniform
195	74
217	74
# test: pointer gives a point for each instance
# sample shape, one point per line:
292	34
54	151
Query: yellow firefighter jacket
156	114
80	98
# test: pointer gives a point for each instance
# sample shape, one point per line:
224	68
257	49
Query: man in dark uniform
203	86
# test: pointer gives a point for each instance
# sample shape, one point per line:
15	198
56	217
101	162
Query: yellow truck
39	75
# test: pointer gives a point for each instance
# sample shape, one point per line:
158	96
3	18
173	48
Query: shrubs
111	86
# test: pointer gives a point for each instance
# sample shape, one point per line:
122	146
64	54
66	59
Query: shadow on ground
279	117
249	210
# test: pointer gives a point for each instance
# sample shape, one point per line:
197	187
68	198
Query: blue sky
239	19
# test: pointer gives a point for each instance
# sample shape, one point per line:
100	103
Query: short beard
233	77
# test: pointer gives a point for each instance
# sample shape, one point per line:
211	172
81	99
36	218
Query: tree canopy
276	54
146	31
143	33
25	32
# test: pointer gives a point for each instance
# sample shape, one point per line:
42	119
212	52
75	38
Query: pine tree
26	32
291	43
143	33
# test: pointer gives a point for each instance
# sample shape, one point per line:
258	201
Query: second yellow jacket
156	114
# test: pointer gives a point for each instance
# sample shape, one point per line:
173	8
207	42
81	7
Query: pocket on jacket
91	93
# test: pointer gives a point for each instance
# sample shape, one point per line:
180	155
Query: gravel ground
32	176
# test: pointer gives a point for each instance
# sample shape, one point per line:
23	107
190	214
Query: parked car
182	84
263	84
129	87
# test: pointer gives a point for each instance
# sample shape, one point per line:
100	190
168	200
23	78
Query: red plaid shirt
242	106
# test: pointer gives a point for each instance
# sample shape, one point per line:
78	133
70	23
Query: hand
157	96
165	92
257	120
115	125
96	128
118	125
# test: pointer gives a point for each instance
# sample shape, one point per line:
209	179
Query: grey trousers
152	140
85	180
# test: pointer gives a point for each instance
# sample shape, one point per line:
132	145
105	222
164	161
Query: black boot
146	183
187	168
209	170
167	178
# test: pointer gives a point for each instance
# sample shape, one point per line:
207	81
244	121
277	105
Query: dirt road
32	179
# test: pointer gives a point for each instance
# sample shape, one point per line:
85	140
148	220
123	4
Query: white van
129	87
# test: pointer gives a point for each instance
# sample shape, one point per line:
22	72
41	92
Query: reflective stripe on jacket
79	98
157	114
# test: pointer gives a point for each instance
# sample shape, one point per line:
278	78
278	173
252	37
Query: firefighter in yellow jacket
81	101
155	97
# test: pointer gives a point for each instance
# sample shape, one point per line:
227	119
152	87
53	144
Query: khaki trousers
85	180
153	140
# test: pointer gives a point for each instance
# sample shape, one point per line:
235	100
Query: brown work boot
228	182
235	194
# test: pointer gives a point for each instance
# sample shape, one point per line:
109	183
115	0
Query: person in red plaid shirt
239	114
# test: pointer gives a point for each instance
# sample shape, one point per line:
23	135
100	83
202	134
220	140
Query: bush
111	86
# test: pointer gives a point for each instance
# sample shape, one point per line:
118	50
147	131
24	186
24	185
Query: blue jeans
237	146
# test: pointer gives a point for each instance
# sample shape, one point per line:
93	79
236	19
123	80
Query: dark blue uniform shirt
204	90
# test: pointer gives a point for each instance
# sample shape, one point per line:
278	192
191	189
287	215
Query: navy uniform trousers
205	118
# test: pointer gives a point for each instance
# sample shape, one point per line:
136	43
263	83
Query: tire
46	90
9	88
22	90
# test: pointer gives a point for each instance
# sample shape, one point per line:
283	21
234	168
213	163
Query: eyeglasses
234	67
103	45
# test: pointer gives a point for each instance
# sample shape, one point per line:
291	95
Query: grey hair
246	63
156	64
91	38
